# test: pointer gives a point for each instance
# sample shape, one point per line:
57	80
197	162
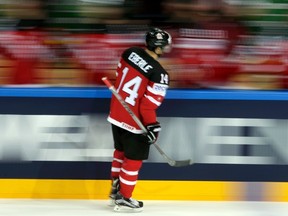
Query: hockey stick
171	162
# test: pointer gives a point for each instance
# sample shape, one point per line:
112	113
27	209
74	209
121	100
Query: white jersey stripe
153	100
125	126
118	160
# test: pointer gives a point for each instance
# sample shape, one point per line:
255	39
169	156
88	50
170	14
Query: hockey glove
152	132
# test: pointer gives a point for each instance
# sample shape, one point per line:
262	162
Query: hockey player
142	82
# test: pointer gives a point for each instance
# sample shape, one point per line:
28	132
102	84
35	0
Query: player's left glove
153	132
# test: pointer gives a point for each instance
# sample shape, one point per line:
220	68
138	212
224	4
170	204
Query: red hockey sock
129	176
118	158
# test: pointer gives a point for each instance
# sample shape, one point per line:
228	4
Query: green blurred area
261	16
268	17
66	14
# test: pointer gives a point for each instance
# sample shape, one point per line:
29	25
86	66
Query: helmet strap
155	51
152	53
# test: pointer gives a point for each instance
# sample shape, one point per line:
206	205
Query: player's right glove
153	132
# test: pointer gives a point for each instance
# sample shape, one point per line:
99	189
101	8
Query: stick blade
181	163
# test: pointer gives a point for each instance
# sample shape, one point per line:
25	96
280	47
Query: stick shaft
124	104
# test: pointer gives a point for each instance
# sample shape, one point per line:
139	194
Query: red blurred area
201	58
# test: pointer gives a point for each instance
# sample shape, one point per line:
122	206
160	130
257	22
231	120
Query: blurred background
240	44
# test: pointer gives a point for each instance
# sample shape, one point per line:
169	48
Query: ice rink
27	207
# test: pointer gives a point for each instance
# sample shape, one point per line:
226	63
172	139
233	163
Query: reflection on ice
152	208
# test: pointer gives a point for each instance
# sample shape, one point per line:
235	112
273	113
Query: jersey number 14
132	86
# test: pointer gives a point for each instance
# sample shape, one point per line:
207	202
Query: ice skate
123	204
114	190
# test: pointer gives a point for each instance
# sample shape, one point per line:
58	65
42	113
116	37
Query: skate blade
119	208
111	203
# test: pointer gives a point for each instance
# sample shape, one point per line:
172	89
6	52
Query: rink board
89	180
146	190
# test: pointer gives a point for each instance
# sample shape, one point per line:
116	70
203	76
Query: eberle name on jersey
140	62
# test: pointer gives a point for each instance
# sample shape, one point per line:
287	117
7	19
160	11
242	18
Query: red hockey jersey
142	82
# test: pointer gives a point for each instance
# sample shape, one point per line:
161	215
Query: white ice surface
27	207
